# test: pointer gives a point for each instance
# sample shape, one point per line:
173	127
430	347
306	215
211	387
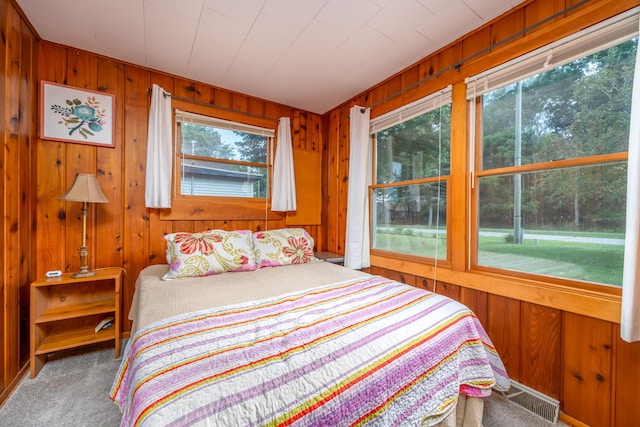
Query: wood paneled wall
17	94
124	232
571	356
562	345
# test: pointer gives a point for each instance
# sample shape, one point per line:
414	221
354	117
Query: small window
409	197
221	158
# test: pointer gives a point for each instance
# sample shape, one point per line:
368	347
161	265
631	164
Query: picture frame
76	115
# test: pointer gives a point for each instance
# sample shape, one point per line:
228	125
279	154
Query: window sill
416	259
219	208
604	305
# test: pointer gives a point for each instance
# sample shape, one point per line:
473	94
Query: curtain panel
630	316
283	196
357	241
157	191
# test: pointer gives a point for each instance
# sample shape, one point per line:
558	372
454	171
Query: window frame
190	207
424	105
606	34
181	117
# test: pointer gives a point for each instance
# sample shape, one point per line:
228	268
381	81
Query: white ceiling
308	54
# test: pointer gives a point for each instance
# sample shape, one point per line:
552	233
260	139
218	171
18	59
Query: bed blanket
363	352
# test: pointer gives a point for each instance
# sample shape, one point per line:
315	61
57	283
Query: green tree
416	148
204	141
253	147
575	110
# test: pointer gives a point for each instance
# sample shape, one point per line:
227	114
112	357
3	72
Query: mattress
155	299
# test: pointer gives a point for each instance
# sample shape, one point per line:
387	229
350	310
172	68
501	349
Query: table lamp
85	189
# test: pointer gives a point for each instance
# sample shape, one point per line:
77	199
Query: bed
307	344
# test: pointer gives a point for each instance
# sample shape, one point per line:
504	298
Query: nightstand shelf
66	310
330	257
77	310
73	339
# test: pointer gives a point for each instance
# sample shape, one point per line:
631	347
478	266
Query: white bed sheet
156	299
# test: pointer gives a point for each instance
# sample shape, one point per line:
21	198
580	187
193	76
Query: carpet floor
72	390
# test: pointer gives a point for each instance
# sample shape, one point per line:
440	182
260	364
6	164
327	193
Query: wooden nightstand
65	312
330	257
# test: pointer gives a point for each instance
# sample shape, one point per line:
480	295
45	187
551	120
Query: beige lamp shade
85	189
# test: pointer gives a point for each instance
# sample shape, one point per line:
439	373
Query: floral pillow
283	247
208	252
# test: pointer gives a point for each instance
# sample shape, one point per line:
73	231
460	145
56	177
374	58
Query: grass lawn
581	261
609	235
416	242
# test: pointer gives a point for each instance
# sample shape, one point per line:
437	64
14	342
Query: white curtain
283	196
630	319
356	254
157	191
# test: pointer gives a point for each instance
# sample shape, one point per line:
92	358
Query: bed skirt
468	413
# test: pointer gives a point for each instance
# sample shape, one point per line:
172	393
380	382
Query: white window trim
187	117
409	111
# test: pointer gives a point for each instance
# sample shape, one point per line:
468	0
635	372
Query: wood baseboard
570	421
4	395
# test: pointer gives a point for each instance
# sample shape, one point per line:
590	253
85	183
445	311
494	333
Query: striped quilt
369	352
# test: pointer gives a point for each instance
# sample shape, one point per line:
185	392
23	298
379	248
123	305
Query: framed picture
76	115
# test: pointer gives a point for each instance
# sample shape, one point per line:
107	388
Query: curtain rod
457	65
208	104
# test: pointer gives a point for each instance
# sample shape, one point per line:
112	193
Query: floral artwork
87	118
76	115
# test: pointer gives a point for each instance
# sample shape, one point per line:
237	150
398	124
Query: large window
550	158
221	158
409	197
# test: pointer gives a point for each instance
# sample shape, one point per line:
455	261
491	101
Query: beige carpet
72	391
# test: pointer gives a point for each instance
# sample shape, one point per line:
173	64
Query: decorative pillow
209	252
283	247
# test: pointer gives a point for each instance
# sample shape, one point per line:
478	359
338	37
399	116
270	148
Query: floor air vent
533	401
